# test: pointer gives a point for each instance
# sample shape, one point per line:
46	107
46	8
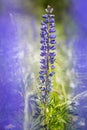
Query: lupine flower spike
47	52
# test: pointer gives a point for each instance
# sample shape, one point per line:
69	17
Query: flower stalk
47	54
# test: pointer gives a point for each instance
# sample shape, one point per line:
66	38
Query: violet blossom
47	52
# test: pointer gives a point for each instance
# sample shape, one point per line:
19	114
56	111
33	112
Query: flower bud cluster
47	50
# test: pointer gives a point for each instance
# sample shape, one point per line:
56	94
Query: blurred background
19	56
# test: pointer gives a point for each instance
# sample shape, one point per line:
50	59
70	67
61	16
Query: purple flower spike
47	51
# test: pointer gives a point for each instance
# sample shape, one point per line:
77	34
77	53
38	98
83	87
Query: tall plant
47	55
49	107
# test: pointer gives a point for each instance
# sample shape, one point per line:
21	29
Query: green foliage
57	113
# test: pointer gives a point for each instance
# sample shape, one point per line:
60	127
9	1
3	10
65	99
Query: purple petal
52	30
52	60
42	35
52	54
42	72
52	36
51	74
43	32
42	61
45	16
41	77
52	47
52	20
43	67
42	23
52	24
43	28
52	41
42	41
43	48
43	89
43	54
52	66
46	21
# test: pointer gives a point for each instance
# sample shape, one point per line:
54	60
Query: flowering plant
47	53
49	108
